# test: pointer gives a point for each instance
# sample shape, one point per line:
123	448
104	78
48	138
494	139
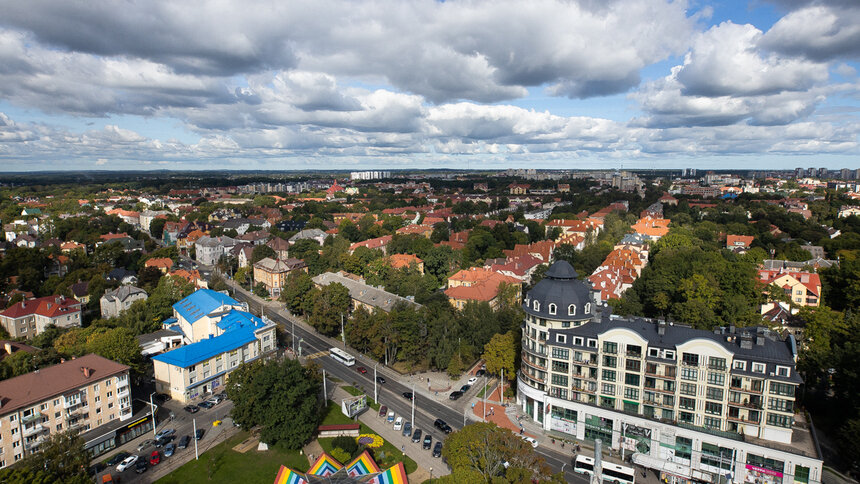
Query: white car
164	433
398	424
473	380
530	440
128	462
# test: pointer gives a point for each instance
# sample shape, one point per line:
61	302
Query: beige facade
79	394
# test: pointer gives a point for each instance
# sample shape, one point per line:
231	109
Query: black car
408	395
161	397
437	449
465	388
184	441
455	395
164	440
428	439
140	465
207	404
443	426
192	408
117	458
480	373
416	436
380	380
199	434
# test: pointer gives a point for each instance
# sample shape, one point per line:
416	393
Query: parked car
117	458
408	395
437	449
428	439
154	458
140	466
169	449
416	436
199	434
480	373
361	369
184	441
161	397
390	416
146	443
217	398
126	463
165	433
207	404
163	441
213	401
398	424
455	395
383	411
465	388
192	408
380	380
443	426
472	380
530	440
407	429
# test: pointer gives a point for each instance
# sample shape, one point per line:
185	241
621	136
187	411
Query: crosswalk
318	354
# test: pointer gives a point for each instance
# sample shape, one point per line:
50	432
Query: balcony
35	429
541	353
745	420
533	365
585	362
745	390
122	391
746	404
633	354
29	418
36	443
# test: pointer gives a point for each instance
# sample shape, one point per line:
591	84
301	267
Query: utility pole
375	399
502	382
484	406
194	423
342	333
413	405
325	392
152	413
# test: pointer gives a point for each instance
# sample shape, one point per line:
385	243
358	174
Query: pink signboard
764	471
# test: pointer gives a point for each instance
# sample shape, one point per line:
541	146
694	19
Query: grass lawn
386	456
229	466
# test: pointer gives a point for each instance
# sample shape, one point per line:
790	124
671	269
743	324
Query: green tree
156	228
262	251
117	344
260	290
329	304
297	286
61	458
280	396
500	353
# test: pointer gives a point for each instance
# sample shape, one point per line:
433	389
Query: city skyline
629	84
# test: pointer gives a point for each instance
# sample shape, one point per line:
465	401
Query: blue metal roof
236	319
201	303
188	355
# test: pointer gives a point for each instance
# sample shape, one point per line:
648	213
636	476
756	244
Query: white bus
612	473
342	356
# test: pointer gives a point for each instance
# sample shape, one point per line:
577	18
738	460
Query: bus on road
612	473
342	356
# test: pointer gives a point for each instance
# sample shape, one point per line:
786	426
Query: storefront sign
762	470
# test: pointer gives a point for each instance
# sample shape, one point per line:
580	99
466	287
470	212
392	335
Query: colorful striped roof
362	465
287	476
325	466
362	469
394	475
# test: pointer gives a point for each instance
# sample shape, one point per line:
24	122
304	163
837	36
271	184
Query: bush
341	455
347	444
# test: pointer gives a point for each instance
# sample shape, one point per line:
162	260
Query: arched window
552	308
536	305
571	310
587	308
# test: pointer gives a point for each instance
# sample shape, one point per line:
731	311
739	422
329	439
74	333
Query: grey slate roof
308	234
561	287
122	293
363	293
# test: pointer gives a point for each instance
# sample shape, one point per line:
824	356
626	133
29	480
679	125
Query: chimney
759	340
8	347
661	328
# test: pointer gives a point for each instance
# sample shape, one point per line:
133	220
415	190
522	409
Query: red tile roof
49	306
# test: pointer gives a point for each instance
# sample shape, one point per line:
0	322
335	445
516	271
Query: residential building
399	261
273	273
164	264
219	334
380	243
315	234
80	291
28	318
118	300
693	405
480	285
847	211
210	249
280	246
739	243
78	394
803	288
159	341
361	294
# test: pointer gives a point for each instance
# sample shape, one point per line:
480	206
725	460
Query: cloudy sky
304	84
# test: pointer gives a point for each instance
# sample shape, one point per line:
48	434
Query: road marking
318	354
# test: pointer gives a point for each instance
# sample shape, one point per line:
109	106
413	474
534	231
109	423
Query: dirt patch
247	444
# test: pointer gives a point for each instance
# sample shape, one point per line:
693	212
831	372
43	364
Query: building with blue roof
219	334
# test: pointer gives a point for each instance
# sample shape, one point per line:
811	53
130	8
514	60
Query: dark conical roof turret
559	295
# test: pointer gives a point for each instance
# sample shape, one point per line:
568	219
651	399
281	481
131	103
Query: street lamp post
413	405
152	412
375	398
562	468
342	332
484	406
464	415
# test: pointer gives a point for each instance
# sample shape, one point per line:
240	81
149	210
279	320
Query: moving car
407	429
126	463
473	380
408	395
361	369
192	408
383	411
380	380
169	449
455	395
416	436
530	440
154	458
428	439
443	426
437	449
398	424
199	434
117	458
140	466
184	441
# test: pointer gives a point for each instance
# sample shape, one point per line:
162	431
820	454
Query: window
608	389
669	355
784	389
565	324
690	359
571	310
713	408
669	386
780	405
758	367
779	420
688	389
561	338
587	308
96	387
668	414
783	371
651	368
631	393
560	353
653	352
714	393
560	380
711	423
56	402
552	308
739	365
536	305
669	400
633	365
717	363
44	406
691	374
577	341
687	403
610	347
610	361
98	399
716	378
801	474
631	379
560	366
592	343
608	375
685	417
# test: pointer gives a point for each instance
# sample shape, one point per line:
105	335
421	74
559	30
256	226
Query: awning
669	467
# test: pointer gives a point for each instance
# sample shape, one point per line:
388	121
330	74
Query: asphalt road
390	394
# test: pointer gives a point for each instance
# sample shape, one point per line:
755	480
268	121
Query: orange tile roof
161	262
398	261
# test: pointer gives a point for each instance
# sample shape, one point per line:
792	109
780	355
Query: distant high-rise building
812	172
688	173
799	172
369	175
822	173
845	174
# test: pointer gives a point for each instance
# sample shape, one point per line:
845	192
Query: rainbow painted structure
326	469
